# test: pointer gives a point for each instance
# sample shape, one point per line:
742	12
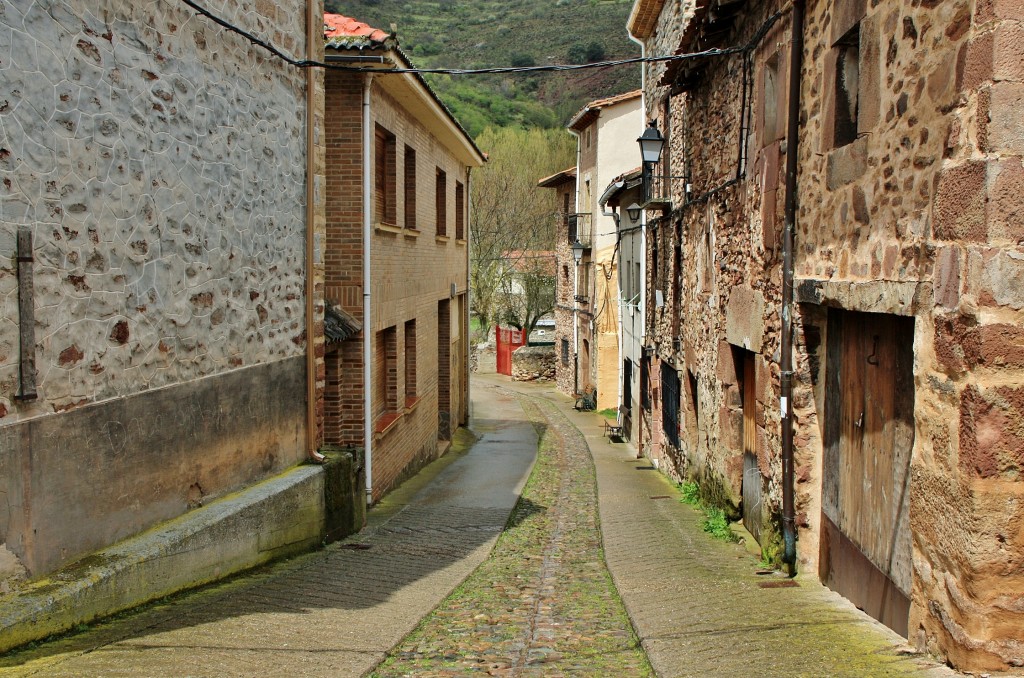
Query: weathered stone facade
563	186
907	262
159	164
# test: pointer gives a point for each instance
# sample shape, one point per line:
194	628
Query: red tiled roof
342	31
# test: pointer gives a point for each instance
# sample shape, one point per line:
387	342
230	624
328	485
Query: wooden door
752	482
869	435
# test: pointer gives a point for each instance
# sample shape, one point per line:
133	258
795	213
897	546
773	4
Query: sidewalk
696	603
335	612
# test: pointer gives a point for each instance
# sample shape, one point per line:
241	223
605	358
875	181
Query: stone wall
159	163
916	214
533	363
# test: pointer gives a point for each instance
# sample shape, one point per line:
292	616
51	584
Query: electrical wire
310	63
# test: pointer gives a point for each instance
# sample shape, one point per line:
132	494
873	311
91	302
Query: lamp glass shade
577	251
634	212
651	142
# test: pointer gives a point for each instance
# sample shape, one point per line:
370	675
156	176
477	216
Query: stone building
563	203
605	132
157	276
908	296
398	178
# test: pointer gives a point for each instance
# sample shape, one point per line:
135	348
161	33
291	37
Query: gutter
367	312
786	348
314	22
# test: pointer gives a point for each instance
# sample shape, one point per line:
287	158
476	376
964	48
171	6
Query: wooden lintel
26	316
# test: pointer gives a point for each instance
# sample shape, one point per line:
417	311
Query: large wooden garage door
869	434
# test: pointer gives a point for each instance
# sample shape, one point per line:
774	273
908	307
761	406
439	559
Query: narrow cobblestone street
531	589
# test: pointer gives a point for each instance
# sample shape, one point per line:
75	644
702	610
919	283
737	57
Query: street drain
784	584
661	496
356	547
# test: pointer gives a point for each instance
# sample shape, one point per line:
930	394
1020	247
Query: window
586	137
670	403
410	361
441	202
386	398
410	188
460	211
384	176
847	86
770	114
565	351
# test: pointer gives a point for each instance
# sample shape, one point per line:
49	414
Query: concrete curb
281	516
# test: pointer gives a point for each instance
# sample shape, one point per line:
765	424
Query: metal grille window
565	351
670	403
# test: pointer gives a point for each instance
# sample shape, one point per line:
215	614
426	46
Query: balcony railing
580	227
658	191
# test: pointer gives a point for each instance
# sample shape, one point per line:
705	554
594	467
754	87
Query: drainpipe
367	313
314	27
786	361
642	301
469	292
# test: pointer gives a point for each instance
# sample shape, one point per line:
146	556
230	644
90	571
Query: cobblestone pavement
543	604
335	612
698	605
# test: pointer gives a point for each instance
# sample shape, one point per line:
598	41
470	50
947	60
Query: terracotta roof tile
344	32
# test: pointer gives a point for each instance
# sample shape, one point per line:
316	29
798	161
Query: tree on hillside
511	214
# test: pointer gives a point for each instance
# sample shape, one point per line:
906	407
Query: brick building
157	293
389	138
907	361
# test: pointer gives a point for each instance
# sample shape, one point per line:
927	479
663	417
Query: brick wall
412	274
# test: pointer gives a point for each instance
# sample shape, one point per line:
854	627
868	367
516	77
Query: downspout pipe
786	348
367	311
314	25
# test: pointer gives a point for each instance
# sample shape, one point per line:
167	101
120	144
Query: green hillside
487	33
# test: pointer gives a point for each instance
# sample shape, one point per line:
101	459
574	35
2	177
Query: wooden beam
26	315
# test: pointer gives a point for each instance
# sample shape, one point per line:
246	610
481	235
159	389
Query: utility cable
311	63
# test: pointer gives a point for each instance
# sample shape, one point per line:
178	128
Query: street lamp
634	212
577	251
651	142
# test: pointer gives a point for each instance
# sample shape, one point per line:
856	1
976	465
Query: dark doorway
627	399
753	482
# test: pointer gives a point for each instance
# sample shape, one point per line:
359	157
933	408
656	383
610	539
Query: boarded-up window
385	198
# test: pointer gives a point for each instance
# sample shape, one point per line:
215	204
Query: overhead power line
311	63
